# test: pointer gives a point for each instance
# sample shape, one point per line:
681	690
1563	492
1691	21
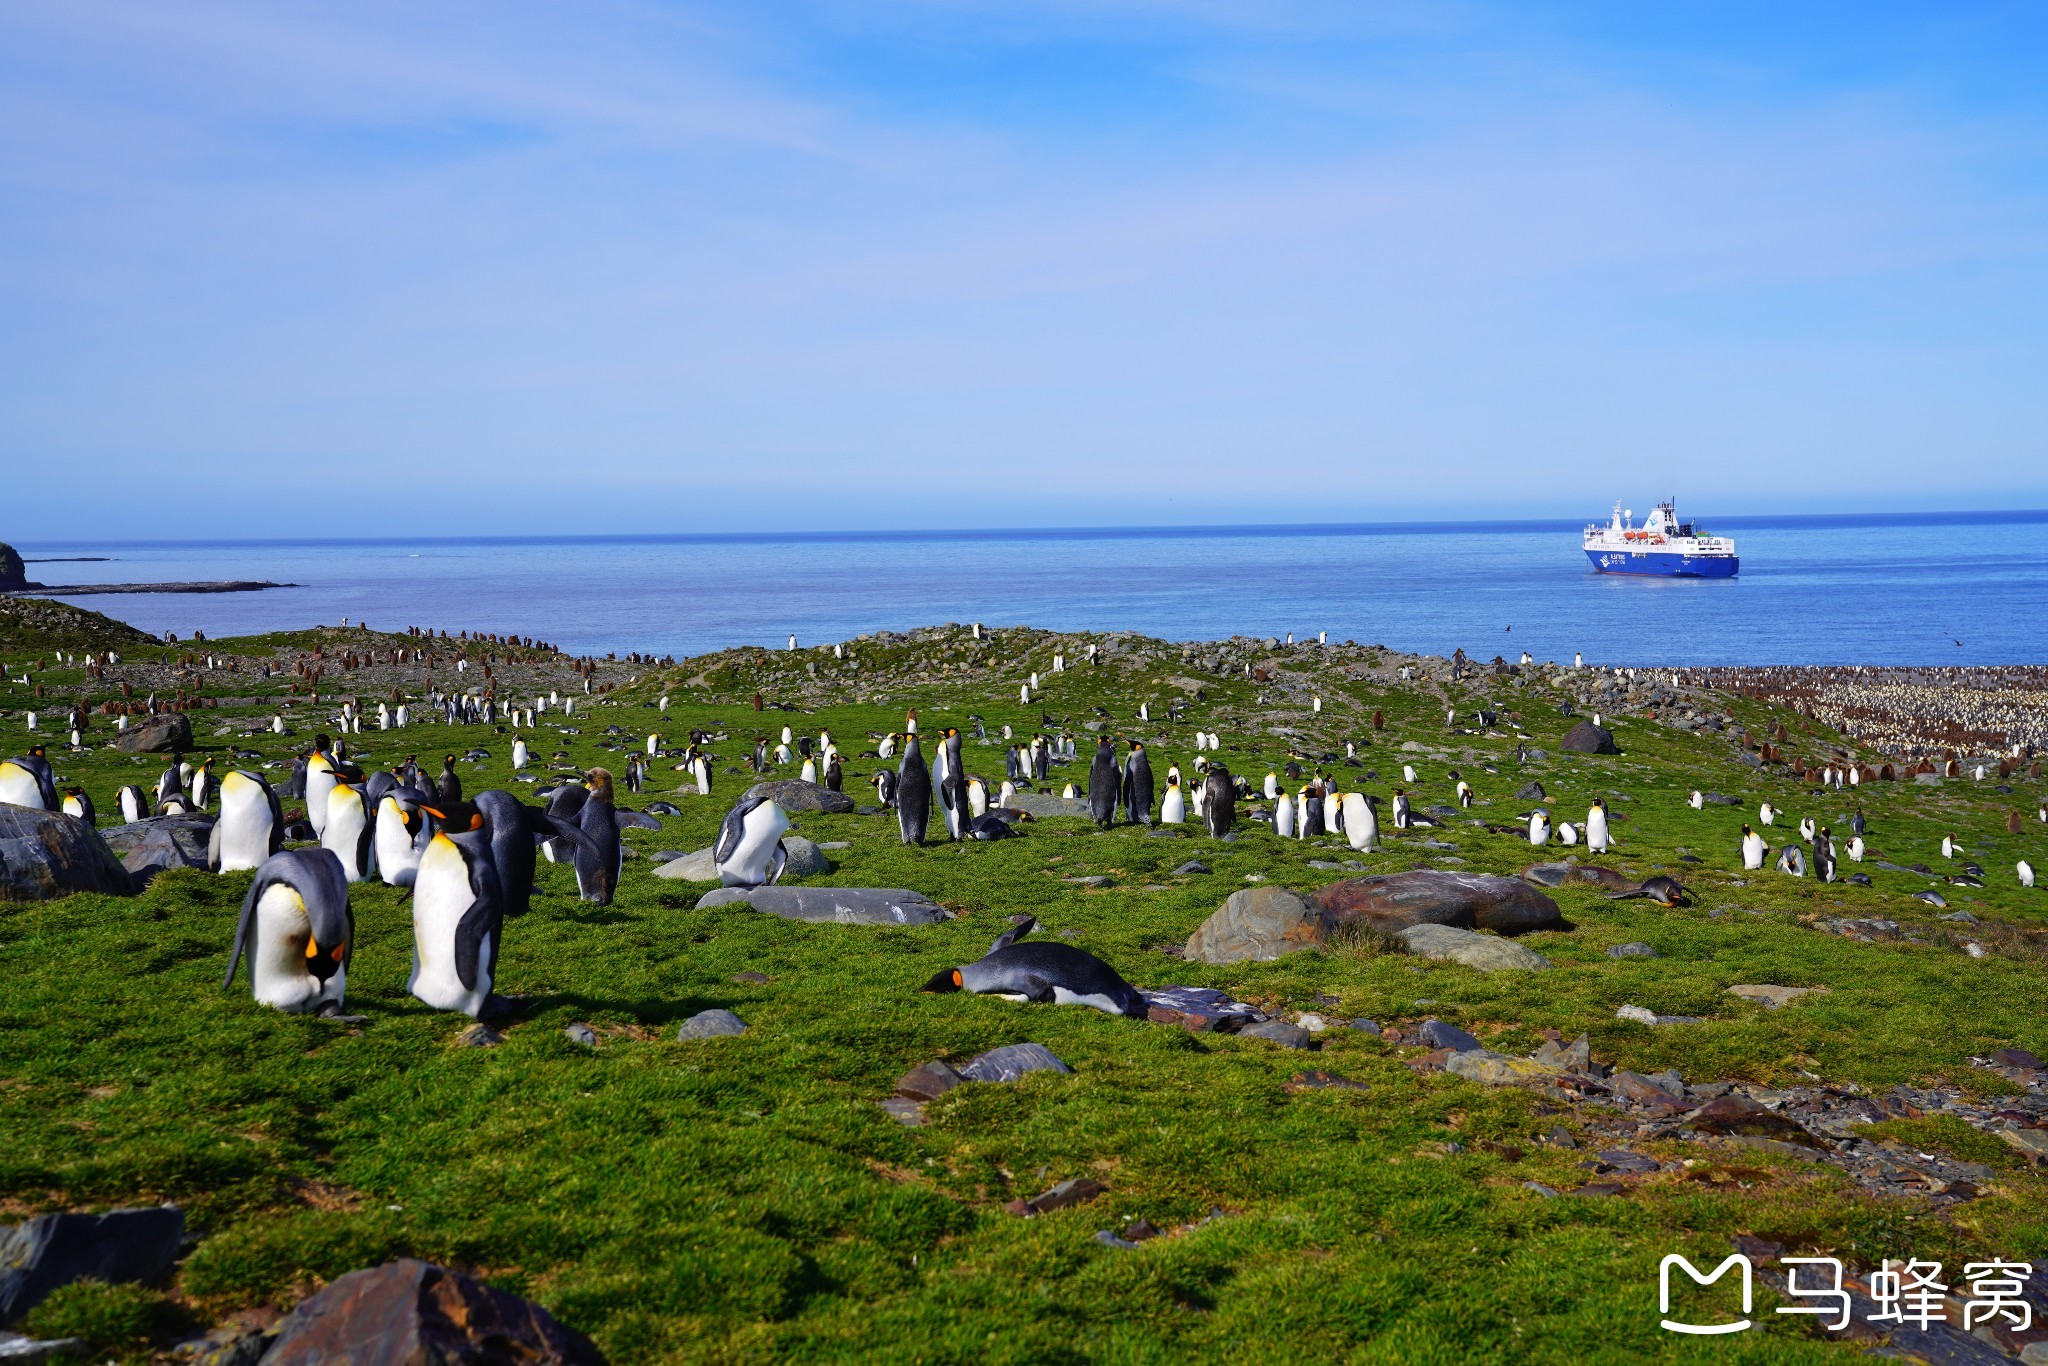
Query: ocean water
1876	589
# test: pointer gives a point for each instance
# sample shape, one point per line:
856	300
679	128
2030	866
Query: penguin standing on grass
913	792
1596	826
953	787
1105	784
1219	801
78	803
458	916
298	933
348	831
1138	785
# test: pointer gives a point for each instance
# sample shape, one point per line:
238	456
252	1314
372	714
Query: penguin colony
470	864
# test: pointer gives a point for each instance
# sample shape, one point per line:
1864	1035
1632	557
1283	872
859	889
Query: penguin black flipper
781	862
246	925
552	826
1014	933
276	821
479	922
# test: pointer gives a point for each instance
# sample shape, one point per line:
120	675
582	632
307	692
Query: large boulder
833	905
164	733
1433	896
1485	952
46	854
409	1311
54	1250
794	794
1587	738
1259	924
148	847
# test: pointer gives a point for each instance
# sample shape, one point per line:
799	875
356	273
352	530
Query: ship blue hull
1664	564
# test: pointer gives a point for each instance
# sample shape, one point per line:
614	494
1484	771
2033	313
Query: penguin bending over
749	851
251	824
298	932
1057	973
913	793
885	787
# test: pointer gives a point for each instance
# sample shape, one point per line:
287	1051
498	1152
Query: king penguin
1056	973
298	932
131	801
1753	849
1823	855
1105	784
458	915
953	786
1283	816
1219	801
1173	808
1539	828
251	824
1361	821
1137	785
1596	826
348	831
401	837
913	792
749	851
77	802
26	780
320	780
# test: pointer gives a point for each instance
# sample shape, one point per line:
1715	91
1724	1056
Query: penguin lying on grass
1056	973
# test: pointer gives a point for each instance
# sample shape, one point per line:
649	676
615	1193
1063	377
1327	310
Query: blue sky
386	268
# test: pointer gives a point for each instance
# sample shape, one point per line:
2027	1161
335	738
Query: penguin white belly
344	835
131	807
1361	827
1596	832
751	864
1063	997
319	784
1174	811
18	787
244	835
441	897
277	964
398	862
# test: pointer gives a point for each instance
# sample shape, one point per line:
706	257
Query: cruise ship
1662	546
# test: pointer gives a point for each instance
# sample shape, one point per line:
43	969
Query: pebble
1960	917
1636	1013
1772	997
1313	1023
1365	1026
711	1024
1541	1189
1279	1032
1192	866
581	1033
1437	1034
758	979
1631	951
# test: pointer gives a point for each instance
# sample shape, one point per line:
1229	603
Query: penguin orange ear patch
958	981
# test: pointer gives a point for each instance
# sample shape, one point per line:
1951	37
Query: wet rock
409	1311
1279	1032
711	1024
1771	997
833	905
1438	896
44	855
1259	924
1484	952
1635	950
793	794
148	847
1587	738
165	733
1011	1062
1437	1034
54	1250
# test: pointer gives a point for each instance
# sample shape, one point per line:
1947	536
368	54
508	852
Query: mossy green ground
746	1199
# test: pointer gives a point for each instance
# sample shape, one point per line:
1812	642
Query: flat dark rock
1558	874
55	1250
1044	805
45	854
160	734
833	905
794	794
147	847
1635	950
409	1311
1279	1032
1587	738
1437	1034
1431	896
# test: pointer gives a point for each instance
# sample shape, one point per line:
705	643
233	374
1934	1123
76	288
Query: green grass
745	1199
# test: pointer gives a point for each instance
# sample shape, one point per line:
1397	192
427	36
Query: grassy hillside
747	1199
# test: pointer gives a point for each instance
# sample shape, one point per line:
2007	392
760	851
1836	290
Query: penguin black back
913	793
1105	784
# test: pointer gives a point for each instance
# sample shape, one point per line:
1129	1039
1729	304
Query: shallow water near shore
1876	589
